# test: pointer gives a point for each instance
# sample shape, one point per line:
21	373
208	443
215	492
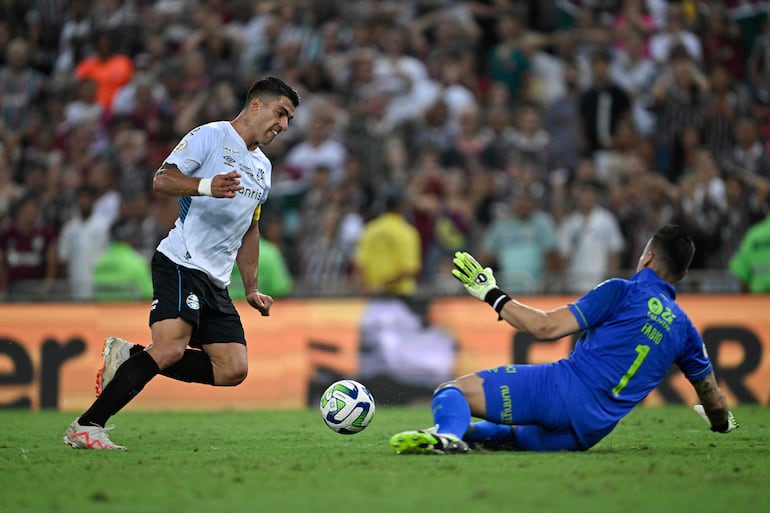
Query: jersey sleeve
193	149
596	306
694	361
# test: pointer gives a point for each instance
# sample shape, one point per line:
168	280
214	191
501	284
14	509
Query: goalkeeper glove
479	282
728	426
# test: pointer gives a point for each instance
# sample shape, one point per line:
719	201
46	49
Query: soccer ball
347	407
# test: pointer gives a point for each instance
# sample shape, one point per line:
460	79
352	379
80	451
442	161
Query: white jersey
209	231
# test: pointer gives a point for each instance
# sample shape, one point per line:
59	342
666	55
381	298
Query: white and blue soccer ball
347	407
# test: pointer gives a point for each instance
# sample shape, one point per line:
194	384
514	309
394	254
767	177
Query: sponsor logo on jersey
154	304
231	150
229	160
192	301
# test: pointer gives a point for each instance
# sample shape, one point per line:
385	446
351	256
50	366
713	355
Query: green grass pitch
659	459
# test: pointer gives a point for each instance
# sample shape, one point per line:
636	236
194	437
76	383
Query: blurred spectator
451	226
387	259
120	273
531	144
562	120
748	155
22	87
82	240
675	32
507	61
522	245
725	103
432	129
468	144
602	107
741	212
10	191
27	252
76	35
751	263
633	17
84	107
722	42
101	176
590	241
325	263
758	65
319	148
108	67
678	97
645	201
401	76
131	152
144	102
702	202
219	43
633	71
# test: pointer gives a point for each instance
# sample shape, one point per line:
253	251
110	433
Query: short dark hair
272	86
674	247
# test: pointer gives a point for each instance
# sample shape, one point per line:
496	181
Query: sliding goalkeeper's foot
427	441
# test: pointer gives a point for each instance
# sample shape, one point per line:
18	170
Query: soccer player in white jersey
222	178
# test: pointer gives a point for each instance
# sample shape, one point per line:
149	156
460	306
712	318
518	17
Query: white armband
204	187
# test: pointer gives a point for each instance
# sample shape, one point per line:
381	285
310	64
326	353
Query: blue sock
490	434
451	412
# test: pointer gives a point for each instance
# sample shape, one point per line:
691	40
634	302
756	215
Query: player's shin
451	412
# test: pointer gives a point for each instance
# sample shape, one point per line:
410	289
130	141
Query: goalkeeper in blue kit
633	330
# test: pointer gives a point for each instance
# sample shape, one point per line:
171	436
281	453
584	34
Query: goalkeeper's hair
272	87
674	247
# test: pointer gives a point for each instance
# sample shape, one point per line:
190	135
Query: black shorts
189	293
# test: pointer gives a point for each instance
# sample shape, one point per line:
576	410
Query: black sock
194	367
129	380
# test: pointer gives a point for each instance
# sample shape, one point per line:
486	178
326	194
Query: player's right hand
478	281
732	424
226	185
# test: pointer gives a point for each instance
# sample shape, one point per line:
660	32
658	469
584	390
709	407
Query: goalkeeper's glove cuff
497	299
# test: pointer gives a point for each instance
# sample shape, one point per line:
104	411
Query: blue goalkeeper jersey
633	331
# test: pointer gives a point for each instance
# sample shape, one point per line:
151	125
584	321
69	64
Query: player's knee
448	384
166	355
232	375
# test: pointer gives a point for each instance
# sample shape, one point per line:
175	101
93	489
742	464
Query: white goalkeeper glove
730	425
479	282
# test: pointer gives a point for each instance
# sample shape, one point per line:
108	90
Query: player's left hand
478	281
732	424
260	301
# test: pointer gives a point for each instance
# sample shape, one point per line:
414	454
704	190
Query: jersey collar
651	277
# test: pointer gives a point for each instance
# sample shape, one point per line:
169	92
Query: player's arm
248	263
713	407
480	283
171	181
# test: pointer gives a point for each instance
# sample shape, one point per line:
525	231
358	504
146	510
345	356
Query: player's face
272	118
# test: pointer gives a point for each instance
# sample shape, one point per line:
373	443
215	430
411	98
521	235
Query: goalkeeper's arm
713	407
480	282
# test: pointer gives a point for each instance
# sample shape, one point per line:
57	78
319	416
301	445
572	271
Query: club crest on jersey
193	303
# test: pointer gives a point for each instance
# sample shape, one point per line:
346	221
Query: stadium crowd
551	138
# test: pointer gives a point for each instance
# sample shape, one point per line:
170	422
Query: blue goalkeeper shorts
527	396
